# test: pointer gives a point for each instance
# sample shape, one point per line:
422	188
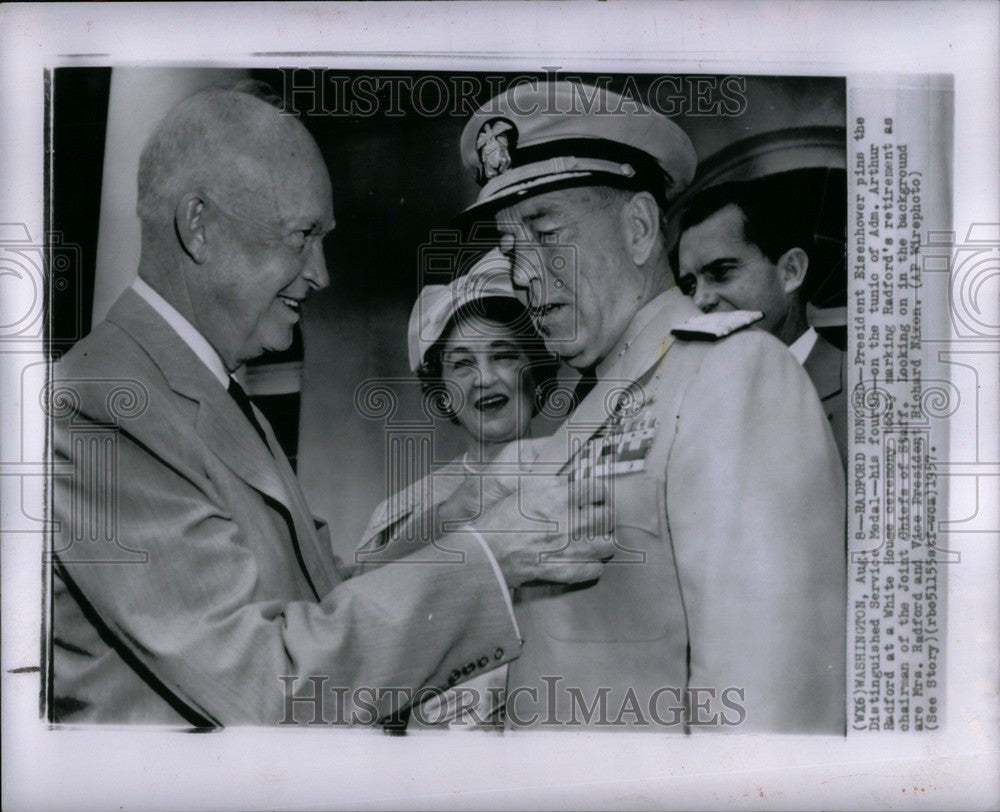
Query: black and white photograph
667	508
536	414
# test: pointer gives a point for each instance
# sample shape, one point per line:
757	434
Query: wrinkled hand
550	530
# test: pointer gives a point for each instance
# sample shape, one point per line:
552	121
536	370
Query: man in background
753	245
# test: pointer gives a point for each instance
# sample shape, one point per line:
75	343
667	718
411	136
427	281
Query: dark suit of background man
730	575
231	586
755	245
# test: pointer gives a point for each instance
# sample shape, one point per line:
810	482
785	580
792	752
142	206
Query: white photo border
954	768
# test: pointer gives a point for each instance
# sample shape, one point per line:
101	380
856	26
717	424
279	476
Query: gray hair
200	140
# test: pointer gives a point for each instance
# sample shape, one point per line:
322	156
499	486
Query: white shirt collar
187	332
803	345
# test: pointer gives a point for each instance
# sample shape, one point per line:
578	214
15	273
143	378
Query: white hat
436	305
537	137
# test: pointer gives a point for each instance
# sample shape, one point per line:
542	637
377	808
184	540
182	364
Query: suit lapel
317	554
220	424
227	433
823	366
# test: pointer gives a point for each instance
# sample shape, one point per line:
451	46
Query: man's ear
793	265
641	226
189	221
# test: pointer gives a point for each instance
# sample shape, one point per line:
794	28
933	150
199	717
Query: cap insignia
496	140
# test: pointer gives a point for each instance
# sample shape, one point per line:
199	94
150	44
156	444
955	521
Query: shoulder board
713	326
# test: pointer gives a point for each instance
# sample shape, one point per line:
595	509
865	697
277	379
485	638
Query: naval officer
724	605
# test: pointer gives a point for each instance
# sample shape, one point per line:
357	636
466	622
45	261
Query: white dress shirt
189	334
803	345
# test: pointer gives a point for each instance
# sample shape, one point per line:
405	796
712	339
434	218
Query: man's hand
550	530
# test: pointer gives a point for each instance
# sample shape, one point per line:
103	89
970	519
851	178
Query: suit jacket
190	577
826	369
730	573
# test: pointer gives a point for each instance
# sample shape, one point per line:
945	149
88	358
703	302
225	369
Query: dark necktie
584	386
243	401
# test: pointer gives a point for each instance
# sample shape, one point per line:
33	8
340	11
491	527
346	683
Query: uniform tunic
730	573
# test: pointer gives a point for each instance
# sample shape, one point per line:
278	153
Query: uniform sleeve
755	500
194	616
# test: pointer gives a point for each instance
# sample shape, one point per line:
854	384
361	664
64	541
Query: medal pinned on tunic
620	447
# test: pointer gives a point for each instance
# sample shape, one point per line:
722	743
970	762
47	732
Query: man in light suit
724	606
753	245
191	584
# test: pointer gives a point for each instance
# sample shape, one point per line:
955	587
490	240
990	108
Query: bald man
191	584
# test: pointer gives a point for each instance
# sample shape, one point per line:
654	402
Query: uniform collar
621	361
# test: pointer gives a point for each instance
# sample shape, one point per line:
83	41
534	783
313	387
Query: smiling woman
479	356
482	364
483	371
